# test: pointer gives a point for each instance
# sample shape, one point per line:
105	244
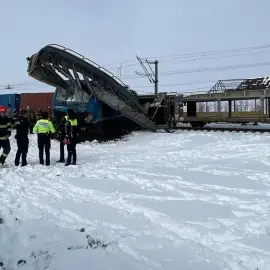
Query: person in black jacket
61	136
71	131
5	132
22	125
39	114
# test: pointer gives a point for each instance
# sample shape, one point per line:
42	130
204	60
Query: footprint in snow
91	243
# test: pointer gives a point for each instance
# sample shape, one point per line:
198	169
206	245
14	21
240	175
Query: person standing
61	137
22	125
10	111
31	118
44	128
5	132
15	113
71	131
39	114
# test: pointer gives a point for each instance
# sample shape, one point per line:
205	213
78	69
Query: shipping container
12	99
36	100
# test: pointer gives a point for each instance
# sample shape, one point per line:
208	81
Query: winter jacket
71	128
62	126
5	127
22	126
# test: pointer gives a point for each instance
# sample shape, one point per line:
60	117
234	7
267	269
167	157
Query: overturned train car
104	104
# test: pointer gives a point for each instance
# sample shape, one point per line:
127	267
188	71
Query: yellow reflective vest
70	127
73	122
44	126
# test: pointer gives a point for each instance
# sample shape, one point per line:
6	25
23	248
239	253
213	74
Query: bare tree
258	106
200	106
210	107
224	106
239	106
245	105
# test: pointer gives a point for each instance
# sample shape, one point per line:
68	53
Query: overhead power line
213	52
195	59
178	60
197	54
205	69
176	84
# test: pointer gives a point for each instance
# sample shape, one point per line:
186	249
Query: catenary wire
197	54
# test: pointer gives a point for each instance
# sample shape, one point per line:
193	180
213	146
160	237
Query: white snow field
186	200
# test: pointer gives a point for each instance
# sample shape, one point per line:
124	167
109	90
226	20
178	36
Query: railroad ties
225	129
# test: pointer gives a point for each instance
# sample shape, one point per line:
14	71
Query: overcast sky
111	32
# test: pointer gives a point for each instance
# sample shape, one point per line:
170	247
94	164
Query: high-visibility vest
73	122
44	126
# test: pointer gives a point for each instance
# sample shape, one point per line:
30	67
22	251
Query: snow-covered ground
184	200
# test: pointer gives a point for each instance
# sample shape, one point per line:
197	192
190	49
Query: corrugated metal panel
36	101
12	99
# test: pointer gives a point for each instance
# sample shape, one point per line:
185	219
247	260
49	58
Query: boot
2	160
68	159
24	159
74	160
16	162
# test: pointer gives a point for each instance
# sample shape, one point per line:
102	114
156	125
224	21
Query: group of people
67	134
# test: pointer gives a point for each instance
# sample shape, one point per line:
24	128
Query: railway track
223	129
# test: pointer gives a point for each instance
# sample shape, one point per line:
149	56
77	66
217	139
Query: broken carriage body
86	87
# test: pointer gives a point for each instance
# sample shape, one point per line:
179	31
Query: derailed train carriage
104	104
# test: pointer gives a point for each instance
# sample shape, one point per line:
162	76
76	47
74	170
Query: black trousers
62	148
72	153
22	144
31	126
44	143
5	144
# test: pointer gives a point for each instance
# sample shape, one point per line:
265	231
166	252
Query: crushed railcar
103	102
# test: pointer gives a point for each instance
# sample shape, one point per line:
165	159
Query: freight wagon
35	101
23	101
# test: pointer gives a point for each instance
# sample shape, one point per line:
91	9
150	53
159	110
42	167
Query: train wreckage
90	89
78	79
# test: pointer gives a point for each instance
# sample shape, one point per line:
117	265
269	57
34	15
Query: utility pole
152	75
120	71
156	77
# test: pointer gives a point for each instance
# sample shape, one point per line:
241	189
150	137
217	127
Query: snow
152	201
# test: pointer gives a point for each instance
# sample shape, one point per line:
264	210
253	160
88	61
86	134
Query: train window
79	96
